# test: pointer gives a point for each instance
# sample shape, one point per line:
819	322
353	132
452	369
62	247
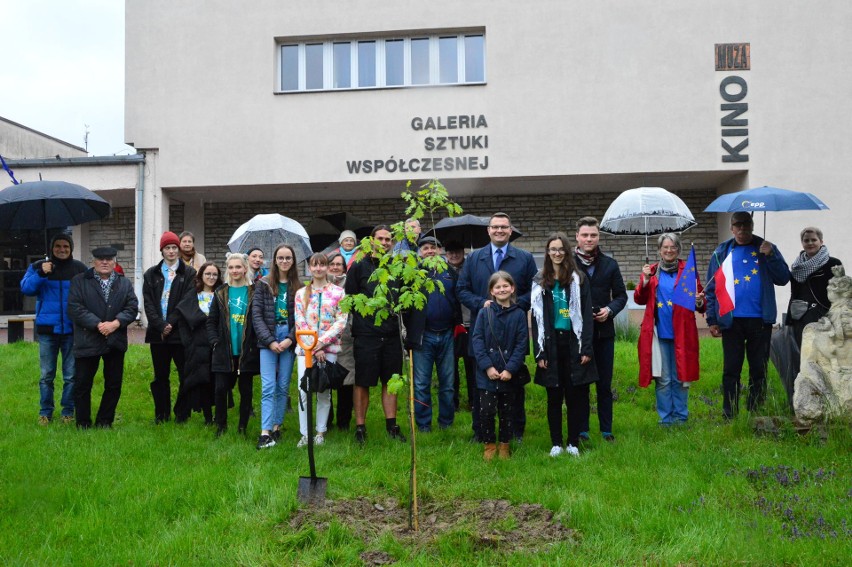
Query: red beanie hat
169	238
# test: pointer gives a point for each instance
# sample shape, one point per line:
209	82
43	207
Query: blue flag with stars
687	284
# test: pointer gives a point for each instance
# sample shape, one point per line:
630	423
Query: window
445	59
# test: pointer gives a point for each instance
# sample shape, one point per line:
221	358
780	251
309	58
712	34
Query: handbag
337	373
798	308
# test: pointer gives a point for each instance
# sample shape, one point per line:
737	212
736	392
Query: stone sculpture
823	388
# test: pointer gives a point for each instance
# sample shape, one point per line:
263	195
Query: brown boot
490	449
503	451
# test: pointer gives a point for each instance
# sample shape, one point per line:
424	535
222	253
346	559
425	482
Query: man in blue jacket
49	281
473	292
757	267
429	335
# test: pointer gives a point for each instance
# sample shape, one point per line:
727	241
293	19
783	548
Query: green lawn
707	493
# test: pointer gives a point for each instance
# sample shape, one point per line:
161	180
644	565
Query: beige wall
580	96
19	142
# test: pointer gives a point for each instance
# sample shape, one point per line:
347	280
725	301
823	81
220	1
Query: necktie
498	258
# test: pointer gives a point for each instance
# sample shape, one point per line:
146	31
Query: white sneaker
556	450
303	442
572	450
319	439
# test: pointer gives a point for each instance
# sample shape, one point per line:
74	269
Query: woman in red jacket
668	339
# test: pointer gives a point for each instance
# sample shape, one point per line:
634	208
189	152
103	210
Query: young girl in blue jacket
500	342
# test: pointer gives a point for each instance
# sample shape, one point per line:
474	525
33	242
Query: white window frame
380	61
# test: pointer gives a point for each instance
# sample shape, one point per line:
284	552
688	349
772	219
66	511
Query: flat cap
429	240
104	252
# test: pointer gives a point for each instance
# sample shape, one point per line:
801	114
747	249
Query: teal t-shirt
237	306
281	312
561	311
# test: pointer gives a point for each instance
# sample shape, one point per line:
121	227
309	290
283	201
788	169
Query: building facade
545	110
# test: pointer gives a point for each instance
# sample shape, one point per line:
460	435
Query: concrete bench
16	327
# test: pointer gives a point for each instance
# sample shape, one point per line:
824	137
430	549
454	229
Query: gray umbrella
647	211
267	232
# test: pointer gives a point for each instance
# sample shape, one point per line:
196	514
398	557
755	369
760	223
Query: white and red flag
725	286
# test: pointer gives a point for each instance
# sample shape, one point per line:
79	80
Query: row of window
381	63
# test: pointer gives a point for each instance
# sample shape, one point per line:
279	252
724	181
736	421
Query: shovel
312	488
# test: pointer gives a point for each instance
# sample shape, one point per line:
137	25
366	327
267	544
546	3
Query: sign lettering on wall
440	138
733	89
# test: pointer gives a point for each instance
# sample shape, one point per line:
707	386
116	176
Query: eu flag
687	284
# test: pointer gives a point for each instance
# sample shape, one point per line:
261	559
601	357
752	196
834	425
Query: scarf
537	307
106	285
587	259
804	266
668	267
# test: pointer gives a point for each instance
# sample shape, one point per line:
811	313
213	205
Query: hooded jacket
51	290
580	373
500	340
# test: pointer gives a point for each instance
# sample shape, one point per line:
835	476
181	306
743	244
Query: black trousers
162	355
84	375
604	356
500	404
748	337
225	383
575	398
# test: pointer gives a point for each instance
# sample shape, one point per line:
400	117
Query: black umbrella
40	205
470	230
325	230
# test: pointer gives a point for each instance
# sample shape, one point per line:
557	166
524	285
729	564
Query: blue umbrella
766	199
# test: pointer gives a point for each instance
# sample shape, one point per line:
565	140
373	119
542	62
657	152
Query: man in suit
473	291
609	296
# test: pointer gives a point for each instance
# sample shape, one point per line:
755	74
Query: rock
823	388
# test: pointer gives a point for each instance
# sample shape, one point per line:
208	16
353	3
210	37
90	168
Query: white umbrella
647	211
268	231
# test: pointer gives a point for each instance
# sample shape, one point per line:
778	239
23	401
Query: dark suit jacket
473	280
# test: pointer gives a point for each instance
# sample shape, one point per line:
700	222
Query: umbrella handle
309	349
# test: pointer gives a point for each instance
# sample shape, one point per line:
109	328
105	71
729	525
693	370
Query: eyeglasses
284	259
556	251
741	224
501	227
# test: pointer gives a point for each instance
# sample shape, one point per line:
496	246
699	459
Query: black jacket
87	308
814	290
358	281
580	373
263	314
192	332
152	290
607	291
219	336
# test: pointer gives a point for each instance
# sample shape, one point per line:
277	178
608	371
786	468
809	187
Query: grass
708	493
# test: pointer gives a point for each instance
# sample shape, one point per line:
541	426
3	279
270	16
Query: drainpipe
140	200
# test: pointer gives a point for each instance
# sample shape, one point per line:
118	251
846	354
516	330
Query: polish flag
725	286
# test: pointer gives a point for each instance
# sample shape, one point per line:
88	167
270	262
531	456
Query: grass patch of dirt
486	524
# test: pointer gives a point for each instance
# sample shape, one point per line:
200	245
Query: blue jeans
672	394
275	372
437	350
49	347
